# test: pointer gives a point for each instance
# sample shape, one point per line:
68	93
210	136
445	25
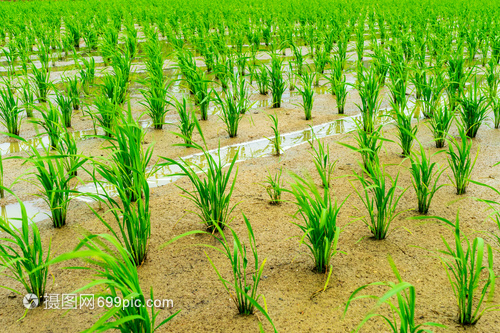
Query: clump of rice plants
41	79
129	159
106	114
425	176
319	216
245	290
65	109
51	123
339	90
440	124
262	78
230	112
274	187
403	315
54	182
155	101
10	112
460	161
115	270
470	272
473	110
322	162
27	97
187	121
278	84
406	132
213	187
22	255
73	90
307	93
276	140
495	105
379	198
369	91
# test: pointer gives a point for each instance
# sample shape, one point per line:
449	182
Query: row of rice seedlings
213	186
23	256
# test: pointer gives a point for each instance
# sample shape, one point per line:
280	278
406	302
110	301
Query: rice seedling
495	105
51	123
369	144
278	84
492	79
425	176
73	90
213	190
307	93
403	315
243	290
276	140
67	147
340	92
319	216
86	72
10	112
106	114
369	90
460	161
65	109
406	132
27	97
230	112
41	79
187	121
274	186
457	78
322	162
470	278
245	294
156	103
22	255
129	159
473	111
54	182
298	59
114	269
114	87
241	93
379	198
440	124
263	80
202	95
